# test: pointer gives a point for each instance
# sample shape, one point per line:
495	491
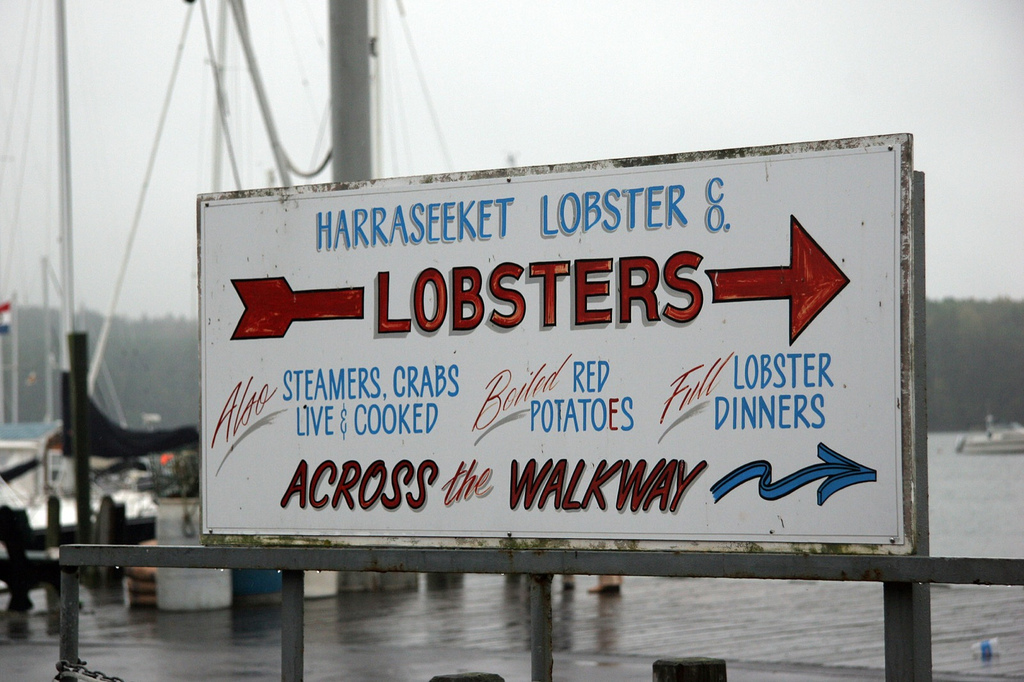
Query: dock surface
765	630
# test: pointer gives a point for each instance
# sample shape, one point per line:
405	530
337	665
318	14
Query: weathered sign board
697	351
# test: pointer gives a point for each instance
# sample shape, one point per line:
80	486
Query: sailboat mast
378	92
47	343
64	133
15	360
349	49
74	361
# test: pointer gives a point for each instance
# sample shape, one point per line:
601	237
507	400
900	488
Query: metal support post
922	610
899	631
540	627
292	623
69	614
921	591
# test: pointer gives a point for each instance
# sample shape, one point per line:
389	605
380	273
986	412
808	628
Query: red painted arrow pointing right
810	281
271	306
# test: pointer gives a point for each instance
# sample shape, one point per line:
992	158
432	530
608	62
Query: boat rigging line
397	129
423	86
12	240
242	25
221	102
101	345
285	166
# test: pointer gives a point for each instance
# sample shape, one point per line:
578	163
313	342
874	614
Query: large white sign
662	352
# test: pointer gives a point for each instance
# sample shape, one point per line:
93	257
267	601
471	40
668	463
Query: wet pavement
765	630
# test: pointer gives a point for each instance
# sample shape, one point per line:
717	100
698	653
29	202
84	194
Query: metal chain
72	671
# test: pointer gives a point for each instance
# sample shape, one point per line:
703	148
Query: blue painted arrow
838	472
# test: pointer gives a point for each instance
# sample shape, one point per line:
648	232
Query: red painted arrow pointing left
271	306
810	281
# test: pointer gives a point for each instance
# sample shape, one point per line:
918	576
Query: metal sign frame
246	314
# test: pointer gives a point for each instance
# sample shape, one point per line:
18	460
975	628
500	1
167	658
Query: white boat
996	439
33	467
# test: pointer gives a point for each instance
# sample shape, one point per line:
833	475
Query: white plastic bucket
319	584
187	589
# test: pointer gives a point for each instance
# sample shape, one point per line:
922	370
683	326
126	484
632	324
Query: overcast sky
534	82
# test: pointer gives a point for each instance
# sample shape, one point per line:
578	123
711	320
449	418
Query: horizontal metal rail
871	568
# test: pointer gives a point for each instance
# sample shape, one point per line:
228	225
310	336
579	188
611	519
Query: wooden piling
689	670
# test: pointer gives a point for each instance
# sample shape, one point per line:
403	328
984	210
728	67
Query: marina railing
905	578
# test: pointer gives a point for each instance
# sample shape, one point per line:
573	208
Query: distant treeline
975	365
151	366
